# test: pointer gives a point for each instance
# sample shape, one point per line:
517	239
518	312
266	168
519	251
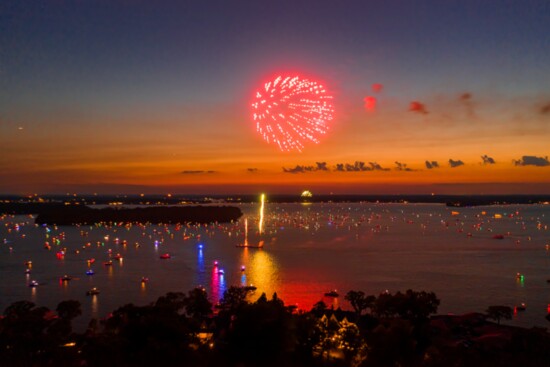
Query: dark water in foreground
308	250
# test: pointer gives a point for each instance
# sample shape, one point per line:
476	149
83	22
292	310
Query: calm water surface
308	249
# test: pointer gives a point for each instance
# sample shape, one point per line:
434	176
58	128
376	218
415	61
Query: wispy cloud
487	160
454	163
418	107
531	160
196	172
321	166
432	164
299	169
402	167
376	167
466	99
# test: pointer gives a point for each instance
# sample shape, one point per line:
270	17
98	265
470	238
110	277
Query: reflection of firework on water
292	111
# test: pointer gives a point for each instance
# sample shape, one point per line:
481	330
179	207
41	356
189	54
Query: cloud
531	160
465	96
359	166
418	107
454	164
299	169
377	87
487	159
467	101
432	164
376	167
252	170
356	167
195	172
402	167
321	166
545	109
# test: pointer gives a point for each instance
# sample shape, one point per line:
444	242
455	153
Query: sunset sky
155	96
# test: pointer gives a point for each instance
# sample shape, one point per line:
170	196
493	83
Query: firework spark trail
292	112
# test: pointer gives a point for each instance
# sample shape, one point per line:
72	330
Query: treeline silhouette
73	214
187	330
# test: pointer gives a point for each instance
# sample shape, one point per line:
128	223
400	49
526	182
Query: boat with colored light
92	292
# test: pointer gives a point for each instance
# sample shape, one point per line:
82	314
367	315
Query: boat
91	261
521	307
144	279
247	245
250	287
498	237
108	263
27	271
118	257
165	256
66	278
250	246
332	293
90	272
33	283
92	292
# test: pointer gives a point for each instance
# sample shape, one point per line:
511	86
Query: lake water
308	249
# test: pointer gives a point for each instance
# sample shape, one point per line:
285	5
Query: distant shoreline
61	214
13	204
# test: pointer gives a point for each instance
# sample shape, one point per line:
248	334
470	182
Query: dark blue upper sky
140	90
197	50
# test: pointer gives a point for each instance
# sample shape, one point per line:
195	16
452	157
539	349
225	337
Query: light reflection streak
94	306
33	294
261	224
215	284
200	268
263	272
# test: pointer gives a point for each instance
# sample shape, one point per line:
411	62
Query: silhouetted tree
233	298
69	309
197	304
411	305
22	334
319	308
172	301
499	312
359	301
260	333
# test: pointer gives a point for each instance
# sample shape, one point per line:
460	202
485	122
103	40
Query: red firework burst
292	111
